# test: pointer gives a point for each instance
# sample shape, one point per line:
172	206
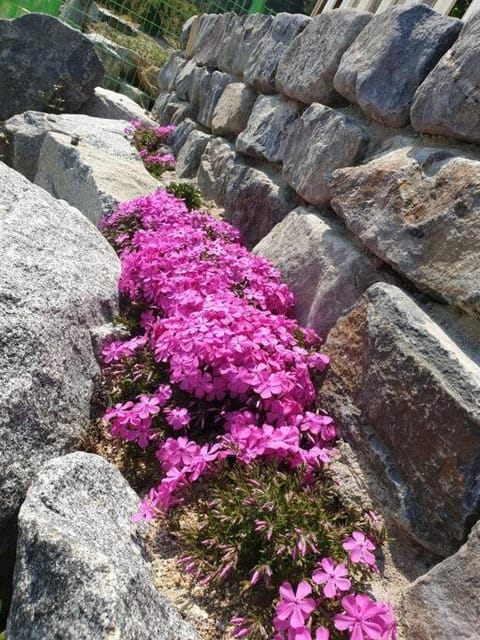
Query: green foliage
186	192
258	523
3	635
149	50
459	8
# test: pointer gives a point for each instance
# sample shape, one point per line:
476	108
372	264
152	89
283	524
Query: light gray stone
250	30
445	602
306	69
262	63
319	142
209	38
168	109
195	88
93	180
268	127
404	389
446	103
246	189
232	37
233	109
190	154
170	70
215	168
211	88
135	94
181	133
390	59
418	209
111	105
321	264
58	281
81	571
67	76
25	134
183	79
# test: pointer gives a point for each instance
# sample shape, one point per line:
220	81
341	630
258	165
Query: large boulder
262	63
306	69
447	101
58	282
319	142
81	571
390	59
321	264
268	126
444	603
233	109
45	65
211	88
418	210
404	389
111	105
255	201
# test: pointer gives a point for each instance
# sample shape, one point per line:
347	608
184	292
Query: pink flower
322	633
359	618
295	607
333	577
178	418
360	548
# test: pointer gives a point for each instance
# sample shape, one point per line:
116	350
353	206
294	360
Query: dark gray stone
403	387
231	40
67	76
211	88
81	570
181	133
390	59
262	64
319	142
170	70
306	69
251	29
233	109
190	154
447	102
215	168
418	209
183	79
168	109
444	603
268	127
195	88
321	264
58	281
209	38
256	201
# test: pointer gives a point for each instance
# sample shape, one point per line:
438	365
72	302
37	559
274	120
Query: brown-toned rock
419	210
404	389
233	109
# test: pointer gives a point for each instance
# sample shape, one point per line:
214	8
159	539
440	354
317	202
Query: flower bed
217	386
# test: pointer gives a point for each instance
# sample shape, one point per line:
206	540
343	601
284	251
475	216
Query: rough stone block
190	154
209	38
211	88
233	109
215	168
170	70
319	142
390	59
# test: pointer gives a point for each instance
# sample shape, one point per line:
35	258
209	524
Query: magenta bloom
360	548
333	577
178	418
322	633
295	607
359	618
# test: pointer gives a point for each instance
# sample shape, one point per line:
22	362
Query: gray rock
215	168
211	88
183	79
262	64
233	109
209	38
58	281
250	30
232	37
170	70
195	88
113	54
444	603
180	134
81	571
93	180
67	76
168	109
447	101
306	69
268	127
319	142
135	94
418	209
321	264
25	135
186	29
190	154
404	387
390	59
111	105
246	188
